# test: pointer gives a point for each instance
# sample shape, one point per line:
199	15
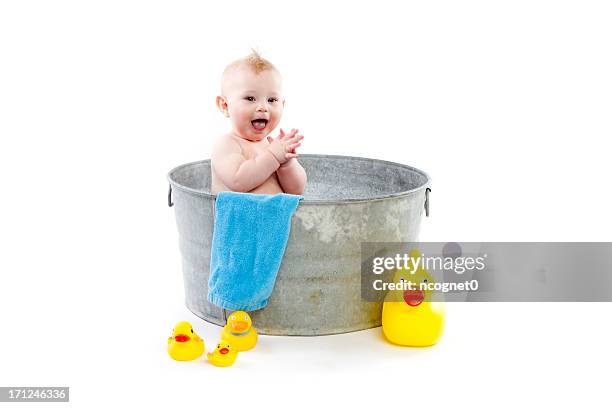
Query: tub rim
305	201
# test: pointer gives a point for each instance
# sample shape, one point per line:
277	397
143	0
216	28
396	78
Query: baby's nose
261	108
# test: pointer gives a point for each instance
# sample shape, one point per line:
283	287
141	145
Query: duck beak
181	338
239	326
414	297
224	350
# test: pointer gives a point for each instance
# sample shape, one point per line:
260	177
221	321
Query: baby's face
254	102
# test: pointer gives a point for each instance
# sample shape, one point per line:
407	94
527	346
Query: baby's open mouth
259	124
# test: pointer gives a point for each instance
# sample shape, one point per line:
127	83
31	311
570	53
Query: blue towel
249	239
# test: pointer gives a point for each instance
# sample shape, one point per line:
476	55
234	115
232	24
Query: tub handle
170	203
427	190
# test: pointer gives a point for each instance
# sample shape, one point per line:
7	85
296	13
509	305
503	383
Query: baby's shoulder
226	144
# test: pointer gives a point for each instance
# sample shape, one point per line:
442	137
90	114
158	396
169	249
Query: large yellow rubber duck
223	356
409	317
185	344
239	331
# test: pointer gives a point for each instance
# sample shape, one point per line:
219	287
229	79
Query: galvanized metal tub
348	200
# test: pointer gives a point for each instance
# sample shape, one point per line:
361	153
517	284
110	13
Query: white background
505	104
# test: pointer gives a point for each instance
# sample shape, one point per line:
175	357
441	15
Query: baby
246	159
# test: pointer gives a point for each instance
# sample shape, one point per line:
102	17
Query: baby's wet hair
257	63
253	61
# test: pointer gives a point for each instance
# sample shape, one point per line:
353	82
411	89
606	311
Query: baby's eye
250	98
272	100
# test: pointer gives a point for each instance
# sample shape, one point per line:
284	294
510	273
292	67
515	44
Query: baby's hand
283	147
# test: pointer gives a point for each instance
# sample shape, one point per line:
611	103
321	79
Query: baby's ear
222	105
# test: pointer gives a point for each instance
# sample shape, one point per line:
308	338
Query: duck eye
192	330
424	280
233	317
402	280
246	317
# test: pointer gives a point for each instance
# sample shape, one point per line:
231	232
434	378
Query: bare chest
250	150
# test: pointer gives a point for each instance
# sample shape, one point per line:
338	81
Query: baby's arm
292	177
290	174
238	173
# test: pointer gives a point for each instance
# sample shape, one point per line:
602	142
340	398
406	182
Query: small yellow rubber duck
185	344
239	331
409	317
223	356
